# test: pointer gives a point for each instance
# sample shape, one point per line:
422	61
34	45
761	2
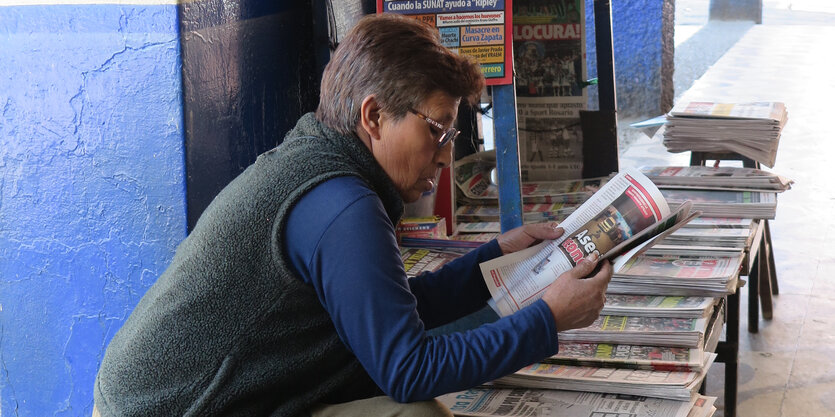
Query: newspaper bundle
473	179
749	129
718	203
715	241
654	331
715	236
627	211
672	385
677	275
721	222
658	306
489	402
531	212
607	355
704	177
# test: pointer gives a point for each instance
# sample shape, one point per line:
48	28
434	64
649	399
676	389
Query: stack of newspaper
721	203
719	178
673	385
749	129
477	196
715	241
632	330
649	358
678	275
658	306
473	179
531	212
721	222
493	401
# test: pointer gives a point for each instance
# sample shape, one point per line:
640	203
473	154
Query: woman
289	296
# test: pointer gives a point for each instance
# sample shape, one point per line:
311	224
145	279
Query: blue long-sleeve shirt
340	240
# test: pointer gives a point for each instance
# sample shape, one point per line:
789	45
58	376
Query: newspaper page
488	402
549	62
625	210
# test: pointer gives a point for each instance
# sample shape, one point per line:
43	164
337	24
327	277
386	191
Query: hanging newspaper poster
478	28
550	65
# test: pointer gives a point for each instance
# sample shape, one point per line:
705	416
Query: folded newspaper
625	216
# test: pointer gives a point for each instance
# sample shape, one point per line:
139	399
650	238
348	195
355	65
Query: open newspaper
553	403
626	212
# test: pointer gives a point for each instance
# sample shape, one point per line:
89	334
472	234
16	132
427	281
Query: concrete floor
788	368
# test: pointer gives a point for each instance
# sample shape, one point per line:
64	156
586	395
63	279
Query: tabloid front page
625	212
549	65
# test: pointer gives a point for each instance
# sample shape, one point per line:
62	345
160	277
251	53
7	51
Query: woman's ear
370	117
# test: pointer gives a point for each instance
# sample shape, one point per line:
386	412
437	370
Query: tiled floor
788	368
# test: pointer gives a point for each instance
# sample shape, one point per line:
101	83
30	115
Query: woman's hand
528	235
575	298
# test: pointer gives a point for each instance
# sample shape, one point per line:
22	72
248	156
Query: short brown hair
399	60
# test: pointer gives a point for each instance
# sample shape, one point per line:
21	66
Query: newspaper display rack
657	334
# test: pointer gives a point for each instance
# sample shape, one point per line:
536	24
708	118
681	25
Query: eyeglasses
448	135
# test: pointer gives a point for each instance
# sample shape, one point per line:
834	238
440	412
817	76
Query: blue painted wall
92	198
643	44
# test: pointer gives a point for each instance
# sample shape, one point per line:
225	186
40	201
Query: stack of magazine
749	129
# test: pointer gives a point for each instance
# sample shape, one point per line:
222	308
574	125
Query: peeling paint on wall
92	194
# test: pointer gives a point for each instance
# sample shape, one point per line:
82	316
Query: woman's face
408	148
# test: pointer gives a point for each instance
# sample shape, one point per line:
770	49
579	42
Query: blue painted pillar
92	194
642	32
507	156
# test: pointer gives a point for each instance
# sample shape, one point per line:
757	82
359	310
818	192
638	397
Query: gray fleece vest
229	328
